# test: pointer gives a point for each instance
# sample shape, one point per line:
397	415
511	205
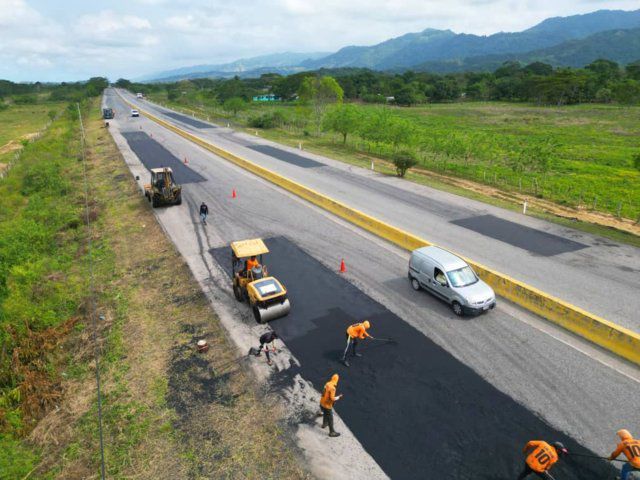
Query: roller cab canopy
249	248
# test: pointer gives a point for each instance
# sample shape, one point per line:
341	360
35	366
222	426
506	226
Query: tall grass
41	282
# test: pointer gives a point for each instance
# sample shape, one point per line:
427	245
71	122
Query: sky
66	40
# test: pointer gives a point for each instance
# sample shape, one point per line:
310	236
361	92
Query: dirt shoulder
168	411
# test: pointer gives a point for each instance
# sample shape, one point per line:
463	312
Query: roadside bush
25	99
636	161
403	161
3	106
268	120
374	98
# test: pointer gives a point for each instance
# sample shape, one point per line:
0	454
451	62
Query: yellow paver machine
251	281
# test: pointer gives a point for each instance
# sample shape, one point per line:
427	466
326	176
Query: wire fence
92	293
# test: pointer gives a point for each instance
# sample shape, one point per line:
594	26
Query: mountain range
561	41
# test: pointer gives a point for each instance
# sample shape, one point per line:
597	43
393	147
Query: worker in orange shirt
631	449
250	264
357	331
540	458
327	400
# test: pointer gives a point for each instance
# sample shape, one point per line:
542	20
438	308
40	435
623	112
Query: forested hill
622	46
446	46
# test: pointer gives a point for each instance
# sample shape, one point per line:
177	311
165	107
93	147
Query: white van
450	278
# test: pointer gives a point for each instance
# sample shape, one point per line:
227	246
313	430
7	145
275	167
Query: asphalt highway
448	385
592	272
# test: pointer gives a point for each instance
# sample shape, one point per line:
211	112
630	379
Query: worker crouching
329	397
540	458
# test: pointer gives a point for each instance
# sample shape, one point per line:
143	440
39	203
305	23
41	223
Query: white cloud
133	37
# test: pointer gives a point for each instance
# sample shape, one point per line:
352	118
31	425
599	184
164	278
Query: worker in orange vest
327	400
631	449
540	458
357	331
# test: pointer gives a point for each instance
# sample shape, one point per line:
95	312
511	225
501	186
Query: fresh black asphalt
535	241
153	155
287	156
419	412
188	120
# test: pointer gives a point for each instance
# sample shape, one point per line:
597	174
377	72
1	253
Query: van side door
443	290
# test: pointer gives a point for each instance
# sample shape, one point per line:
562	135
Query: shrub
25	99
403	161
636	161
267	120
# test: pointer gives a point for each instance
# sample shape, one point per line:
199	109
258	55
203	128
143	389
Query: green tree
344	119
123	83
405	96
626	91
633	70
234	105
320	92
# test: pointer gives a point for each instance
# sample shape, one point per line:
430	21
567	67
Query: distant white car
139	95
135	113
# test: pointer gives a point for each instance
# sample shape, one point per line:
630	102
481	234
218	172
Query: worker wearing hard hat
327	400
631	449
357	331
541	456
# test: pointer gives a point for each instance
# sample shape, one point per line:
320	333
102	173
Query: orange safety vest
251	264
631	450
329	394
542	457
357	330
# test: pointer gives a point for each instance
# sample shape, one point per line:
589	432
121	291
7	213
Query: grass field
19	122
589	148
168	411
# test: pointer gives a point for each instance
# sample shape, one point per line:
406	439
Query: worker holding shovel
357	331
631	449
540	458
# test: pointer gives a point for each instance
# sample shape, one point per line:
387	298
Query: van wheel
457	308
415	284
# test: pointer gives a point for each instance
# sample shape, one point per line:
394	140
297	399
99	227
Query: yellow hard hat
624	434
366	324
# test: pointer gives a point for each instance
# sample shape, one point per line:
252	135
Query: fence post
595	201
619	209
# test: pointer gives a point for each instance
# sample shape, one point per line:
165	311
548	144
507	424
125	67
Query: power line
92	313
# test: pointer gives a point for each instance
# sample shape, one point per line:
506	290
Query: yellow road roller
251	281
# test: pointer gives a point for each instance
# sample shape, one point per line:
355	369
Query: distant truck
107	113
139	95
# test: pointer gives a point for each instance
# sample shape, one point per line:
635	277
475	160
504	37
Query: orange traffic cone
343	267
233	193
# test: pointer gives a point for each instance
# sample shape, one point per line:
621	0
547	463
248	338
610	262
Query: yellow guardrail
606	334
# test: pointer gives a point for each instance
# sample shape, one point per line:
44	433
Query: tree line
37	92
601	81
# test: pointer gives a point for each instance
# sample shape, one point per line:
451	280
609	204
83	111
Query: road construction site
449	397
